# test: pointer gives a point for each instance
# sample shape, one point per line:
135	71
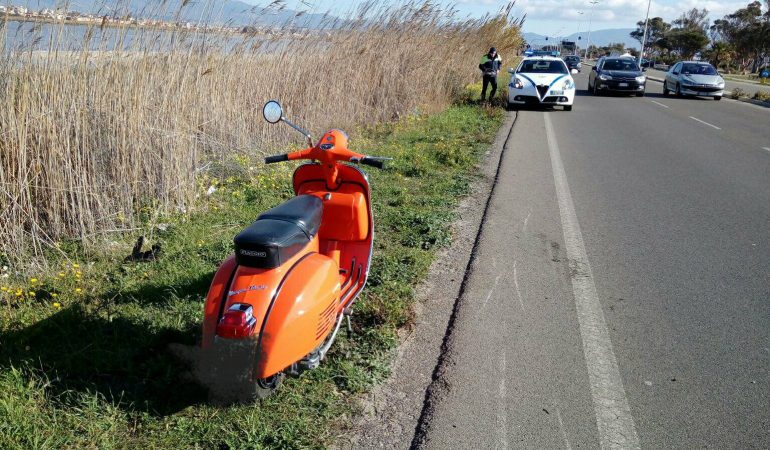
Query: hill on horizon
599	38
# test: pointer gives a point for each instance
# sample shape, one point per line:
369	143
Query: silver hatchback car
694	78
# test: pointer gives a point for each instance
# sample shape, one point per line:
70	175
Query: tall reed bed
93	132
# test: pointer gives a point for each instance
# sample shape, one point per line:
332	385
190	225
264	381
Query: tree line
739	41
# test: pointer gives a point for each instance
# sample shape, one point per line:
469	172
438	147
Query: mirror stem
298	128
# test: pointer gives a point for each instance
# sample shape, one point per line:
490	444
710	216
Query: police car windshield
621	64
542	66
698	69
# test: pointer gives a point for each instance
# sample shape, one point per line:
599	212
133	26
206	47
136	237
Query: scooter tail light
237	322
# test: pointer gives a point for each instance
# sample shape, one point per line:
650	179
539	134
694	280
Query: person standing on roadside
490	67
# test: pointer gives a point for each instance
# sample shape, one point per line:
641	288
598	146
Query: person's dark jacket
490	65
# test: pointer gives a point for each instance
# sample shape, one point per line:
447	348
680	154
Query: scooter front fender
301	314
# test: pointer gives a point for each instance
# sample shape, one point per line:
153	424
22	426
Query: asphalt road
620	295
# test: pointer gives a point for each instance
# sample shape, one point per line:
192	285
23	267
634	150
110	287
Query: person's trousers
489	79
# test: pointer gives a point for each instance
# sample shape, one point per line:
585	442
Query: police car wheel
717	98
568	107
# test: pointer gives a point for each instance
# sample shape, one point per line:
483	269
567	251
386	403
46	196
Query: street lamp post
590	18
644	35
580	24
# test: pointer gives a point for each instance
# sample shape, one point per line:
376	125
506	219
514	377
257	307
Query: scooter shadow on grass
125	361
157	294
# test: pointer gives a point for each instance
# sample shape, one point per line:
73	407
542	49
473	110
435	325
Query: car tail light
237	322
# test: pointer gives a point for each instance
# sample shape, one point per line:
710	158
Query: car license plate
557	92
622	84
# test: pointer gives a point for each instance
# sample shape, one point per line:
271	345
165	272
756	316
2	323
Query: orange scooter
275	307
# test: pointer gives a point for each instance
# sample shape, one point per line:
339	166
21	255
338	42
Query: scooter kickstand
350	327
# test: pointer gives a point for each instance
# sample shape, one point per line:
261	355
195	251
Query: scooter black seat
279	233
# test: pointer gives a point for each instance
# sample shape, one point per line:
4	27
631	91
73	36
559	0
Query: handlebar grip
378	163
276	158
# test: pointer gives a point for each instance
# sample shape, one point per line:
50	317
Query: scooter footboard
301	314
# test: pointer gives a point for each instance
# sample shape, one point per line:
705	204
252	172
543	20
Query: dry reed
89	136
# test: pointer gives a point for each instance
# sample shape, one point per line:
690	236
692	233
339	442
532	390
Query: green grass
83	345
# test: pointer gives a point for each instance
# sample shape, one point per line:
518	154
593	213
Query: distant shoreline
166	26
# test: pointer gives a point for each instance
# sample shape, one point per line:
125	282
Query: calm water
26	36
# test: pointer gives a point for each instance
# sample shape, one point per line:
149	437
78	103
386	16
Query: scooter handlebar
276	158
374	162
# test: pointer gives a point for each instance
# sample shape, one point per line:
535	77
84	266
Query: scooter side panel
301	316
240	284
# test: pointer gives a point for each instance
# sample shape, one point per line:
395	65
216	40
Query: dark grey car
619	74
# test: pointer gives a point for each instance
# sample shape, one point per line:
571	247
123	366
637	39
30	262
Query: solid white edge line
613	415
705	123
659	104
766	148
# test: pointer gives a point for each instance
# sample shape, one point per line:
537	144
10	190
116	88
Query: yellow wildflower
54	295
78	290
57	305
61	274
32	293
33	280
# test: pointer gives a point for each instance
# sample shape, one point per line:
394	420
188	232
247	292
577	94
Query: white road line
705	123
613	415
502	414
659	104
526	219
489	295
516	284
563	431
766	148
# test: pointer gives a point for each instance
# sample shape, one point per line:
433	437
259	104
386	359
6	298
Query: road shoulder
392	410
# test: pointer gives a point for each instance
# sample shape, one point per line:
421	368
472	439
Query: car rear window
621	64
698	69
539	66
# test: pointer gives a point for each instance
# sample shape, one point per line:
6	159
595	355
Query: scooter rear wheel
264	387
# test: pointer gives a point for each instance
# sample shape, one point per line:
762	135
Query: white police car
541	80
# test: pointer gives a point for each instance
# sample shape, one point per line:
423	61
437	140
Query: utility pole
590	18
644	36
580	24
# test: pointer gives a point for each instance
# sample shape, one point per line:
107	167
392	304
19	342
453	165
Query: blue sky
560	17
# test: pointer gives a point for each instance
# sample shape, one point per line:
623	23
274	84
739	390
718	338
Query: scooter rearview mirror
272	111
